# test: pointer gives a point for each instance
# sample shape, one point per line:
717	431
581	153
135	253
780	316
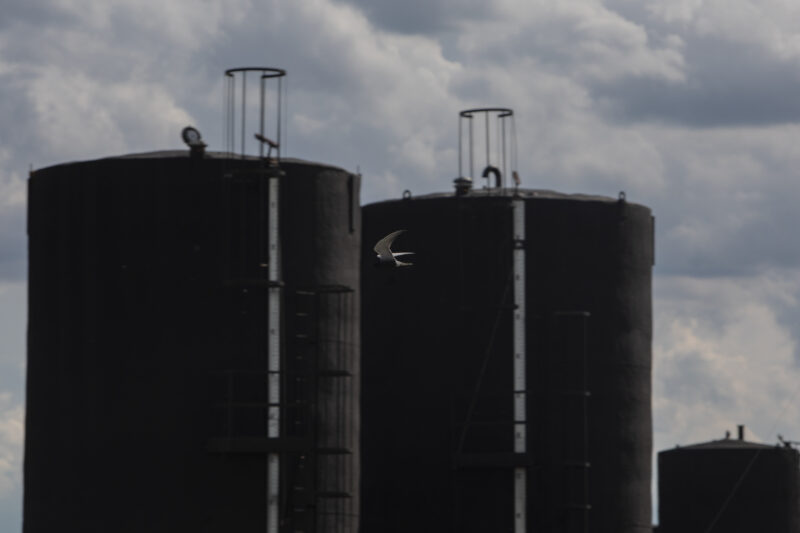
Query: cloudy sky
690	106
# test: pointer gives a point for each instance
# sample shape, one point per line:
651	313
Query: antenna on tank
496	165
237	109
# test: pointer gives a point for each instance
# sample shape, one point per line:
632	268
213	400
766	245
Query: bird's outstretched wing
383	248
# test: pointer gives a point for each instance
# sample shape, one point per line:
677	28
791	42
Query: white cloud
676	10
13	307
771	24
79	117
581	39
13	190
388	185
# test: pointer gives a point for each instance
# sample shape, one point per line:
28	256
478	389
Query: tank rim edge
183	154
525	194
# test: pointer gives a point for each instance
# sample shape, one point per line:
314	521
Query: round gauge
191	136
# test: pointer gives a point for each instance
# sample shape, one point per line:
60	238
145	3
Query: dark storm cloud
33	13
727	84
16	144
16	127
739	222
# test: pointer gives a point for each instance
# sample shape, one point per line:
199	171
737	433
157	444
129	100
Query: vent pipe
741	431
463	185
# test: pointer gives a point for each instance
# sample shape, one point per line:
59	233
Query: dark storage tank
729	485
506	374
192	319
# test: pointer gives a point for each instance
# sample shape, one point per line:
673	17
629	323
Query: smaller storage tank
728	485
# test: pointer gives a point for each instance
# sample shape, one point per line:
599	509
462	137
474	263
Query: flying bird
386	257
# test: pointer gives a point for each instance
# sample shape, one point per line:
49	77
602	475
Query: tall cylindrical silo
507	373
193	346
729	485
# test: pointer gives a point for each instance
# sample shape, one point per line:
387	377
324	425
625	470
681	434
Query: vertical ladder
301	413
334	381
318	406
569	374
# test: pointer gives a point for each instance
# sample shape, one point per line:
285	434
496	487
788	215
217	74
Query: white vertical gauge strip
274	363
520	515
518	208
273	488
272	236
274	315
520	385
273	357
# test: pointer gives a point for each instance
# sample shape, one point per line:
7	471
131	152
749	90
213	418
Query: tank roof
725	444
511	192
184	154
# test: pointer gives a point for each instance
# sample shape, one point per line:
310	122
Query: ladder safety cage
236	107
503	142
570	430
